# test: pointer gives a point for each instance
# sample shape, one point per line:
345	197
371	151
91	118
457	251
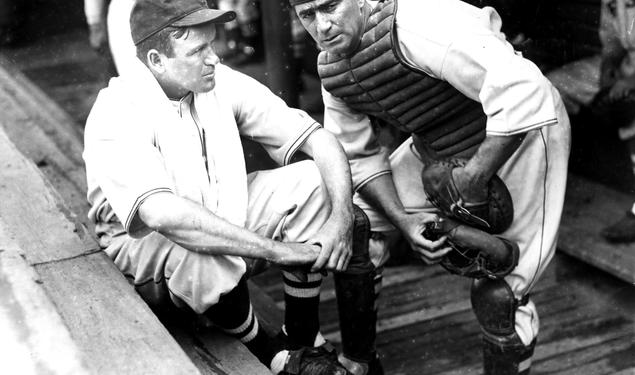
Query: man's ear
155	61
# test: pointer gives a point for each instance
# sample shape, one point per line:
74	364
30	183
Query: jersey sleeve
470	52
123	162
265	118
354	131
515	96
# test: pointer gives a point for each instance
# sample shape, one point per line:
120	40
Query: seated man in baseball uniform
176	211
478	111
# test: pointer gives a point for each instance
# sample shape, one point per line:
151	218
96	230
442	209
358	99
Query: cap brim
204	16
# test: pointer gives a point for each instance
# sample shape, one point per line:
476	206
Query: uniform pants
536	178
290	204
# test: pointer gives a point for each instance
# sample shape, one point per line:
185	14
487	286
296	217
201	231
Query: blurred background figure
95	12
243	36
10	20
96	20
109	32
606	83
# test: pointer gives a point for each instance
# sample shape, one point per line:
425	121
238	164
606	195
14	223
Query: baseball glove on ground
476	254
494	215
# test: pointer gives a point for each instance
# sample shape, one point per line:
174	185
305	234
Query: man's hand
412	227
98	36
335	237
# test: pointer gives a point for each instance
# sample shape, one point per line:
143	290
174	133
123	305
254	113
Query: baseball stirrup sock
255	339
234	314
302	299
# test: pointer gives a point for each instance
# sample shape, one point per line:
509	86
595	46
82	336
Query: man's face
336	25
193	64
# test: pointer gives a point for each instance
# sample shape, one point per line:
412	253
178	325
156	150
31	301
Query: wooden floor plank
34	335
112	325
45	134
31	211
592	358
109	324
590	207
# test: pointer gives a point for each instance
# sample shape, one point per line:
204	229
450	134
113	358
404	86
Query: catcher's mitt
494	215
475	253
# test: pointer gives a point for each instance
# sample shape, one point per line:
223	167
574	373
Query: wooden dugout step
95	323
63	301
589	207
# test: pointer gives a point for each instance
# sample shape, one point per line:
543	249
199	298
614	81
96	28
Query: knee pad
495	305
360	262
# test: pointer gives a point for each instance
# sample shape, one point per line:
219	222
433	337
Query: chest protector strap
378	81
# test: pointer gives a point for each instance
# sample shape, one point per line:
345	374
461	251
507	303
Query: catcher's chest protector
379	82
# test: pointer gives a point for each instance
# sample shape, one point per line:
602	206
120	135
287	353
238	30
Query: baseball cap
148	17
297	2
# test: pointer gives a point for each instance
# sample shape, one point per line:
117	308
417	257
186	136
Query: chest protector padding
379	82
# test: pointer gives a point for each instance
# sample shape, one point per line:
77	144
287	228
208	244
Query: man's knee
360	262
380	245
307	173
495	306
309	186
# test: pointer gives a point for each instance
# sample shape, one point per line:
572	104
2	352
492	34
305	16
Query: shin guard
506	356
355	291
495	307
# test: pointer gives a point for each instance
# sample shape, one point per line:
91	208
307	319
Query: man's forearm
381	193
490	157
198	229
334	168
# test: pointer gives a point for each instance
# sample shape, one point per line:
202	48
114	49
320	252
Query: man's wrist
271	251
400	220
342	211
475	175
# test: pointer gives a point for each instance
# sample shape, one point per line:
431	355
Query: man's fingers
321	259
341	263
426	244
348	261
347	250
319	263
435	245
429	261
334	259
435	255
